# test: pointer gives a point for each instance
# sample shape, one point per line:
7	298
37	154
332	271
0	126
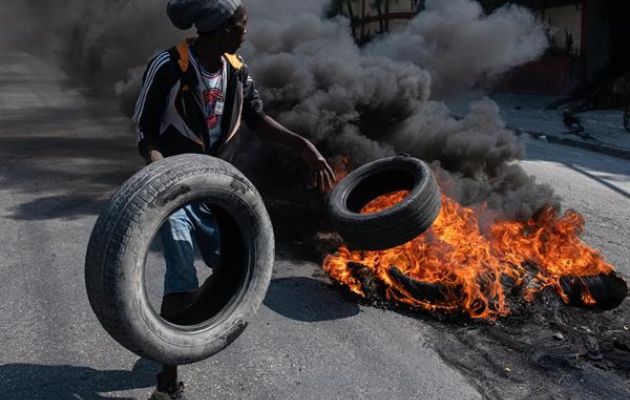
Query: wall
399	11
565	20
597	40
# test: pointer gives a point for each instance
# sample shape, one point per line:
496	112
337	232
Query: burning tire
393	226
120	241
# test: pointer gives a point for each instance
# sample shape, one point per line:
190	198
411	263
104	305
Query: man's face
236	31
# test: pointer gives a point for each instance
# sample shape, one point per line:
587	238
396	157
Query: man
193	99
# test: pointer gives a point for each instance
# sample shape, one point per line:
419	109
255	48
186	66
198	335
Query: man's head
225	20
233	32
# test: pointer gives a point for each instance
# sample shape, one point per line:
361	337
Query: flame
341	167
476	267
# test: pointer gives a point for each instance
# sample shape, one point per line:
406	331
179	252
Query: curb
550	138
598	148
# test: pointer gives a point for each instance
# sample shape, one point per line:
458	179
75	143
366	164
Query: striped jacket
169	113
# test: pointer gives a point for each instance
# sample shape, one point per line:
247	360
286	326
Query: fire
341	167
476	268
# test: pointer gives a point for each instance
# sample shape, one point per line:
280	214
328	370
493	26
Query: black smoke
364	103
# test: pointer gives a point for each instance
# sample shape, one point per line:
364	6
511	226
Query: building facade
369	18
589	39
589	44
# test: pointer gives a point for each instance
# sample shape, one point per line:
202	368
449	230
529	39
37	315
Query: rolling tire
393	226
120	241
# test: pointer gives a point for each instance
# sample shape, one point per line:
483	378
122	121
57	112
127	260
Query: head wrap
206	15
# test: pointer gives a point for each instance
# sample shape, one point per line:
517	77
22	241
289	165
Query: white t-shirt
213	87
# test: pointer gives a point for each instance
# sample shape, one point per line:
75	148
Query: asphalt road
63	153
596	185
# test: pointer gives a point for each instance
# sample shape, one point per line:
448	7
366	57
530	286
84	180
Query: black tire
626	119
118	246
393	226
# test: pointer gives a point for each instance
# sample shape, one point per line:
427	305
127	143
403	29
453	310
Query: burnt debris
608	291
598	293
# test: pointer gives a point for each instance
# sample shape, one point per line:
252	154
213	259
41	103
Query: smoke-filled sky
365	103
460	46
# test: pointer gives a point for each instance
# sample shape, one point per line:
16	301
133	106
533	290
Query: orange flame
471	264
341	167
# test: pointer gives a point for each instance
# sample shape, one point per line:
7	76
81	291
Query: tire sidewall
341	193
147	333
394	225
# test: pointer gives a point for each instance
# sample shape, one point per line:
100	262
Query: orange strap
182	50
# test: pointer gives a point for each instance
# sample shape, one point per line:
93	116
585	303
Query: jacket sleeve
253	111
151	103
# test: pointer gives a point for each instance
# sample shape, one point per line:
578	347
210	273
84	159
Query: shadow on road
66	207
599	180
609	167
65	177
309	300
68	382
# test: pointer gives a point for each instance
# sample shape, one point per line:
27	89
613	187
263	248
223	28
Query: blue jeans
191	224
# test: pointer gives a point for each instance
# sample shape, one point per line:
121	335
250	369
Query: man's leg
207	235
167	379
179	254
171	304
180	279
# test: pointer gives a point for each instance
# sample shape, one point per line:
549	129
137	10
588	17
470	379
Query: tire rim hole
379	184
385	202
222	268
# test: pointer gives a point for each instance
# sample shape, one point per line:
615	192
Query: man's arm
268	128
323	175
150	107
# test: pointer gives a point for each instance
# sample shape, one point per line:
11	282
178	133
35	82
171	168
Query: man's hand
323	176
153	156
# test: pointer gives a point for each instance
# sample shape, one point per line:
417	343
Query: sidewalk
603	129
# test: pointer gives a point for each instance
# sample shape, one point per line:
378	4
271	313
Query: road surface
62	153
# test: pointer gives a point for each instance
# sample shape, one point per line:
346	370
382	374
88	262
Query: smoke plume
373	102
364	103
461	47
